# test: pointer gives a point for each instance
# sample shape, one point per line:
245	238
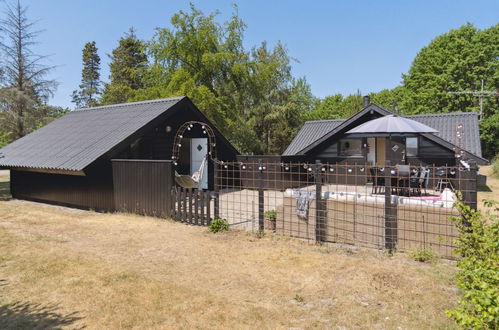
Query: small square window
351	147
411	146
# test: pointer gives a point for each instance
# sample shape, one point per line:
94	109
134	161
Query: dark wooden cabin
69	161
326	140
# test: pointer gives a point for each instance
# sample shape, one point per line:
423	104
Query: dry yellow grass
4	185
124	271
492	189
61	267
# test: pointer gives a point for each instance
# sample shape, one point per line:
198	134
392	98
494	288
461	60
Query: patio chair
444	176
420	181
378	179
403	178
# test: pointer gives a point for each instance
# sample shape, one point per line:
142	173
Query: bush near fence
478	247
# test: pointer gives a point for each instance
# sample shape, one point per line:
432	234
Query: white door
371	150
199	149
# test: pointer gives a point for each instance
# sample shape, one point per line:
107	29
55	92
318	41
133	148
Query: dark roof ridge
472	113
324	120
104	107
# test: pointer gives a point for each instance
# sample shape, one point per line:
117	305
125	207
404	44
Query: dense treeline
254	99
251	94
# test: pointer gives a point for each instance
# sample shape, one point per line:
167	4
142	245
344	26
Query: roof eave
45	170
360	113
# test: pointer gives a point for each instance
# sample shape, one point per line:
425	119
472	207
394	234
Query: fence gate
193	206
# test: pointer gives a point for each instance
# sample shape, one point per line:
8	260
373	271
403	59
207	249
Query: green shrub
478	278
272	214
219	225
423	255
495	166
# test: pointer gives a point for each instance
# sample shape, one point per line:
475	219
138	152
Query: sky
339	46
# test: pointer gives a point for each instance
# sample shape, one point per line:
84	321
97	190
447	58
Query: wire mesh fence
403	207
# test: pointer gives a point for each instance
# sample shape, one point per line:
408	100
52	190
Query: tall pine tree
25	87
88	94
128	64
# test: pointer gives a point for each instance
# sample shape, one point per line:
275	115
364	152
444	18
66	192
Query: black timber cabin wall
429	152
92	191
156	143
95	189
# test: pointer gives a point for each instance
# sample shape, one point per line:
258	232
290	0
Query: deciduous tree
454	61
251	96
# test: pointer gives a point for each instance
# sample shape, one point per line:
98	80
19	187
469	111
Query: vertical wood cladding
143	186
94	191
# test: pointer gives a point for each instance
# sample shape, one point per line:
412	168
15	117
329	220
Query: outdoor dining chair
378	179
420	180
444	178
402	183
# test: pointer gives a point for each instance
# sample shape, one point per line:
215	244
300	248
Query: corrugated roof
77	139
444	123
309	133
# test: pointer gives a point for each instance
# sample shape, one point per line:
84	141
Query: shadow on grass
20	315
5	190
480	188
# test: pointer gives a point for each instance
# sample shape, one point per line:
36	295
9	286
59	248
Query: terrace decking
351	215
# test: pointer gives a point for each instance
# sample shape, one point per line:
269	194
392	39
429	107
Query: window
351	147
411	146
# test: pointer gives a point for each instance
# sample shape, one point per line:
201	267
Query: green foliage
454	61
89	89
495	166
330	107
259	234
33	115
423	255
299	298
128	67
491	203
489	135
4	138
250	95
478	279
335	107
219	225
272	214
391	99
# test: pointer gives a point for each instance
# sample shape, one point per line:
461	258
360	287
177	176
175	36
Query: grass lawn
4	185
61	267
492	189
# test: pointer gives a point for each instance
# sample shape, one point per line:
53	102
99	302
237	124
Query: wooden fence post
319	207
171	212
216	208
390	211
261	195
468	186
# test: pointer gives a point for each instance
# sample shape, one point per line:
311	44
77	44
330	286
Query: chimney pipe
367	100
